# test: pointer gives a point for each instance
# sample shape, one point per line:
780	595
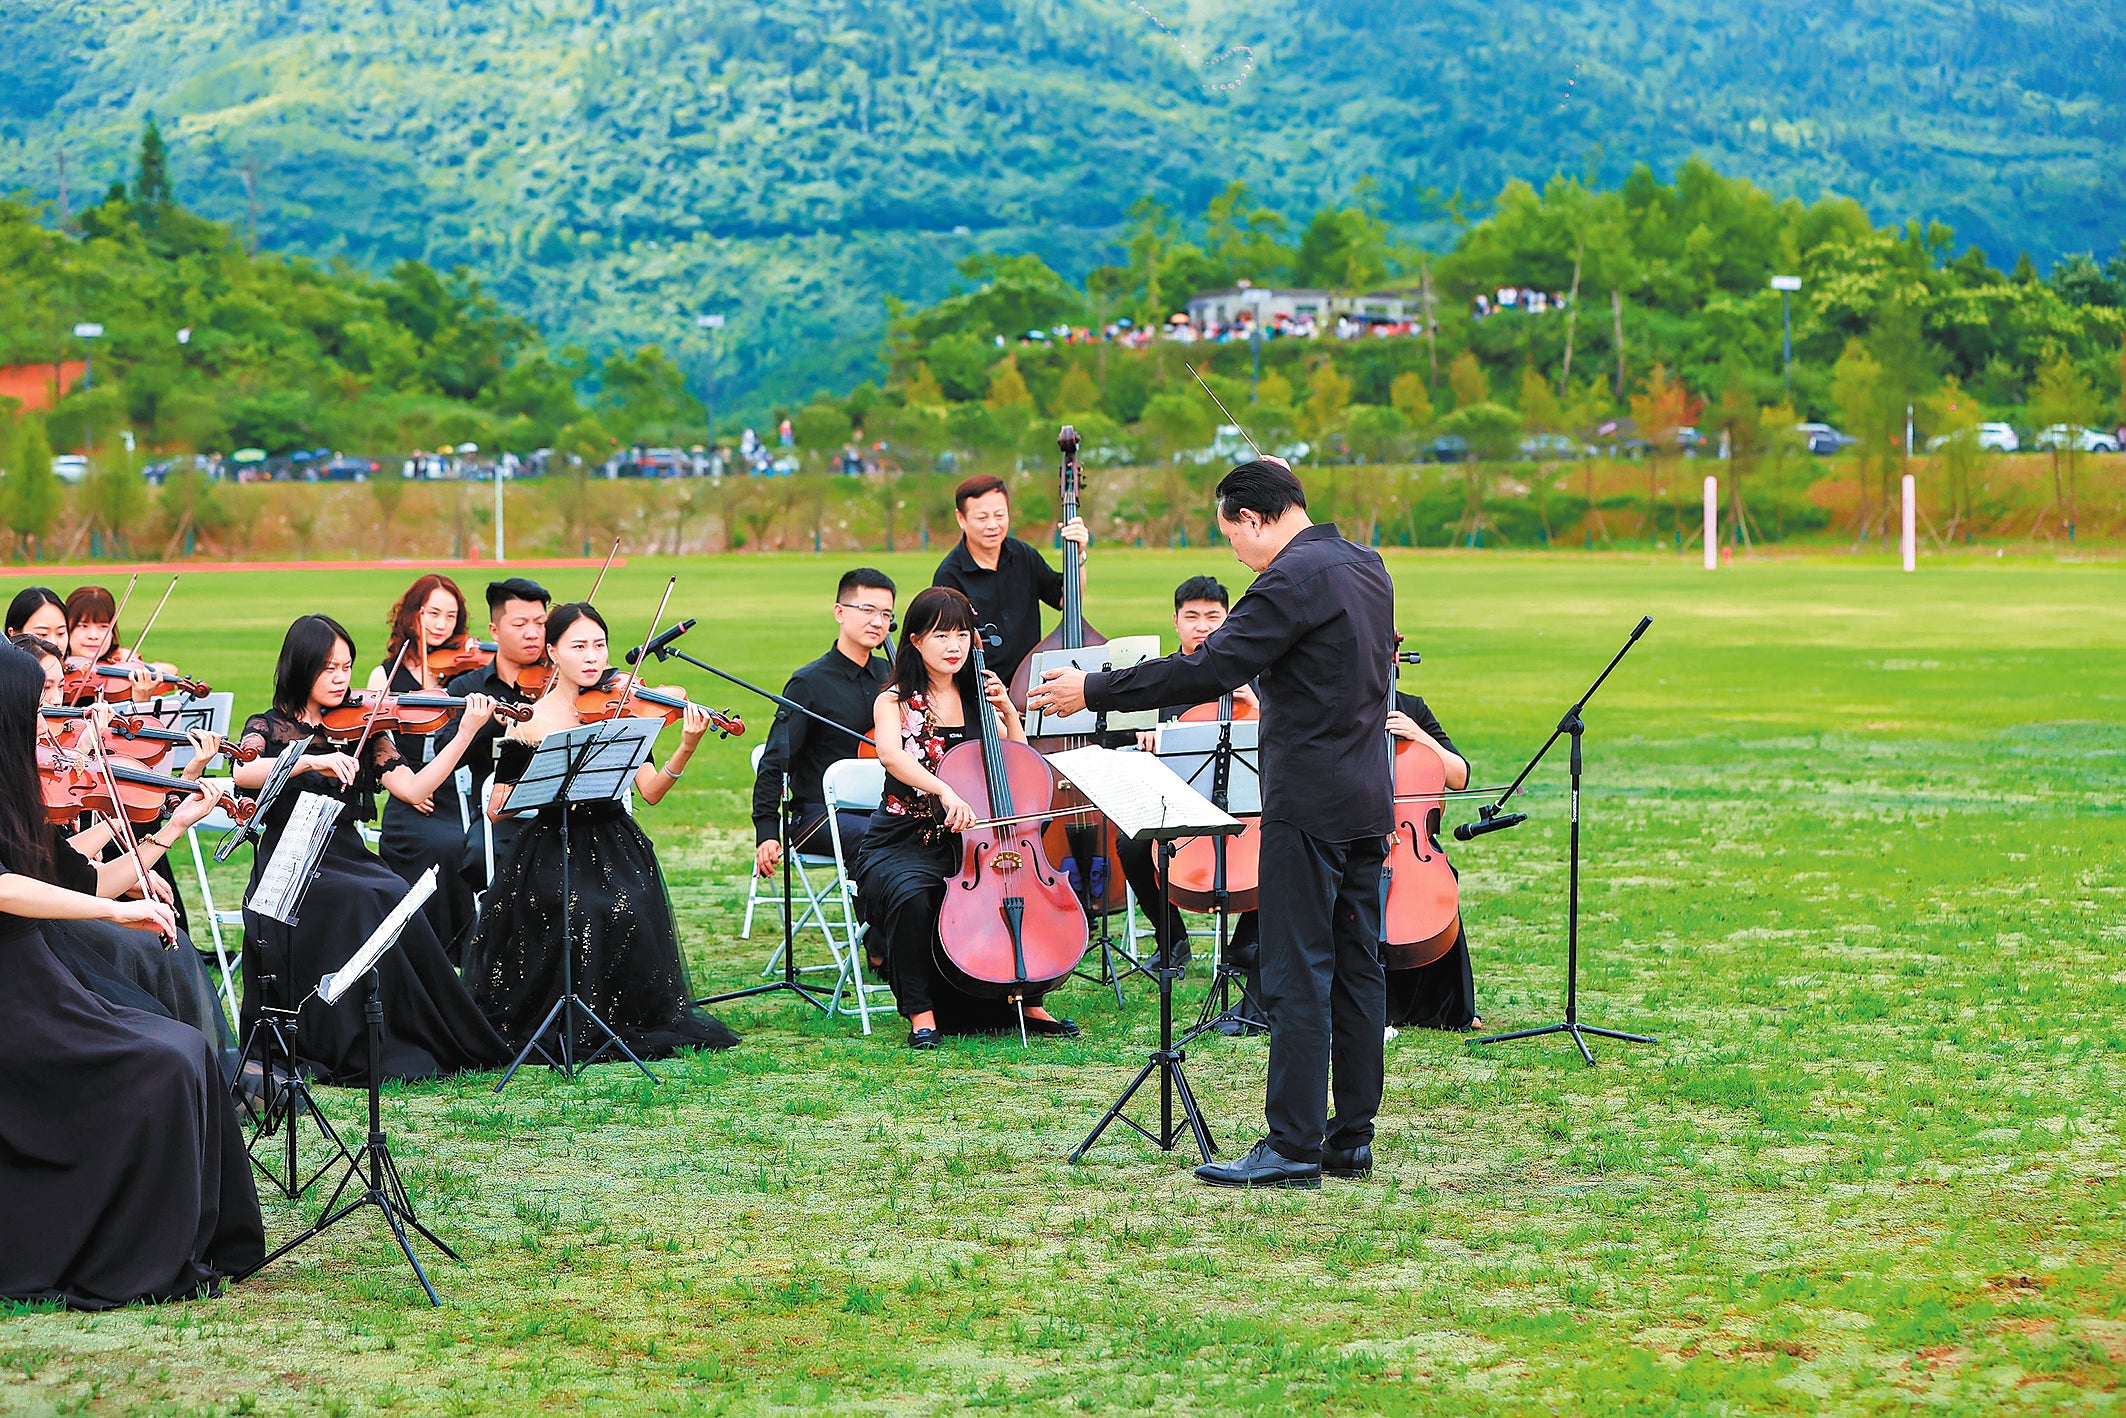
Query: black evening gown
431	1025
900	874
626	967
411	841
123	1175
1441	995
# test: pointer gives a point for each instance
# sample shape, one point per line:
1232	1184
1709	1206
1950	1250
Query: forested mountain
614	167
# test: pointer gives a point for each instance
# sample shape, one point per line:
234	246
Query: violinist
1441	995
1309	629
1006	580
431	1025
516	622
627	965
38	611
92	636
840	685
123	1175
913	844
1201	604
418	835
122	966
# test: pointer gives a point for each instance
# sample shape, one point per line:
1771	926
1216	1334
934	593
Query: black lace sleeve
512	757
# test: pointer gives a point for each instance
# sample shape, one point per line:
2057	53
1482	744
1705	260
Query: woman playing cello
913	843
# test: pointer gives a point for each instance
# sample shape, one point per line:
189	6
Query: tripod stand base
810	994
279	1110
1173	1084
387	1194
1572	1027
564	1011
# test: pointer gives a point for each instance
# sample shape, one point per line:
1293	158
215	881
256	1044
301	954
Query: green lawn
1854	842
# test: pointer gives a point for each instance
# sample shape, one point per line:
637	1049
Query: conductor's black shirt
1009	598
839	688
1315	631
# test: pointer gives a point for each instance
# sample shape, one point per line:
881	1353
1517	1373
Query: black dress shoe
923	1038
1053	1028
1350	1163
1264	1166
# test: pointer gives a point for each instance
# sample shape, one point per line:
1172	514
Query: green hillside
613	167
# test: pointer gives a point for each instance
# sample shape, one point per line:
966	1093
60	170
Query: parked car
1824	440
1998	438
1447	448
70	467
1543	446
2087	440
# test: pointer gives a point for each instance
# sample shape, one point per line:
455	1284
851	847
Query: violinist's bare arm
1402	726
38	900
418	789
654	782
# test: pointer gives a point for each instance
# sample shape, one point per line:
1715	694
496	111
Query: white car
1990	438
70	467
2087	440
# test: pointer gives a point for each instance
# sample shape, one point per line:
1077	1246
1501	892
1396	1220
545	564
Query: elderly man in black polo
1314	632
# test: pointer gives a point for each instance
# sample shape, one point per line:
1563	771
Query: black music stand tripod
592	764
1489	820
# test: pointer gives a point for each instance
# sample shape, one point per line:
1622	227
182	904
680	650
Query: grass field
1854	843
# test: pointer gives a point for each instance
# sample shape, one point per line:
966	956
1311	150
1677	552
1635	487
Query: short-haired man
1007	580
840	685
1314	633
516	622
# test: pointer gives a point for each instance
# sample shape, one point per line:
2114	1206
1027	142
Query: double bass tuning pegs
1067	440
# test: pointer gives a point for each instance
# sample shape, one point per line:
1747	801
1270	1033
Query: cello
1086	850
1192	875
1423	916
1010	924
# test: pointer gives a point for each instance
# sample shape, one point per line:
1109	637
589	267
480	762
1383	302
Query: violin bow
1224	410
153	615
601	572
376	710
122	600
122	826
634	679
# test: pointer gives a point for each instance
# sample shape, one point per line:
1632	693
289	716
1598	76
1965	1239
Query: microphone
1409	657
1488	820
657	646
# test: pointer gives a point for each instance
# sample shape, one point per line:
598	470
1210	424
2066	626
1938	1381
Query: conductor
1310	631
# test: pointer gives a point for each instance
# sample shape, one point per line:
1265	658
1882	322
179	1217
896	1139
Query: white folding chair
851	785
216	822
811	912
211	712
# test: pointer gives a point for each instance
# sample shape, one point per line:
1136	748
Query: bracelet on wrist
675	774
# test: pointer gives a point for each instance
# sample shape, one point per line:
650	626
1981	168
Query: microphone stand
810	994
1490	821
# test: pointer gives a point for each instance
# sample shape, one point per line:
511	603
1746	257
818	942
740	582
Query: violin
145	796
413	713
460	656
1010	925
605	700
133	737
1423	918
87	680
1192	874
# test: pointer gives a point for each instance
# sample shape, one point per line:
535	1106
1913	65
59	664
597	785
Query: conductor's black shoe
1264	1166
1350	1163
923	1038
1053	1028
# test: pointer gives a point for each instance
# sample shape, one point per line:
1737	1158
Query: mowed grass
1853	846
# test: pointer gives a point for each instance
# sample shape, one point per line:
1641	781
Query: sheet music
294	858
592	763
1144	797
276	781
386	935
1117	654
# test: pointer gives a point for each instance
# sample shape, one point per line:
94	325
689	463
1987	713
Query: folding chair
851	785
216	822
811	911
211	712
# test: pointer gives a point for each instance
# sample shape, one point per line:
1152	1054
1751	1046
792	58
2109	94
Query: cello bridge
1006	860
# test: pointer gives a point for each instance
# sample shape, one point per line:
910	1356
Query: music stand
1150	803
595	763
1219	760
253	829
380	1183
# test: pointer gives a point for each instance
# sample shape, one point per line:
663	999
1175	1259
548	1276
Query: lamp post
1786	286
86	331
709	325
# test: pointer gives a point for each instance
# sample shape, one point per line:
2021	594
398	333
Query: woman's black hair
934	608
303	655
25	842
561	617
26	602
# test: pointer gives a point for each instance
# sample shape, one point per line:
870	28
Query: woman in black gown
1441	995
913	843
431	1025
626	965
122	1170
418	835
130	967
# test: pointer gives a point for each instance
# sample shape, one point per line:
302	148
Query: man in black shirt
516	622
1007	580
841	685
1314	632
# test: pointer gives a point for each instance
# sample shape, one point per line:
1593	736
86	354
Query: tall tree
151	184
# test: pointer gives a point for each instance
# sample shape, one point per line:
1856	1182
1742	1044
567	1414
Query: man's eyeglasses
868	612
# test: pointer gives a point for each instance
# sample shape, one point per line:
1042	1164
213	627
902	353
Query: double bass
1010	924
1086	850
1423	917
